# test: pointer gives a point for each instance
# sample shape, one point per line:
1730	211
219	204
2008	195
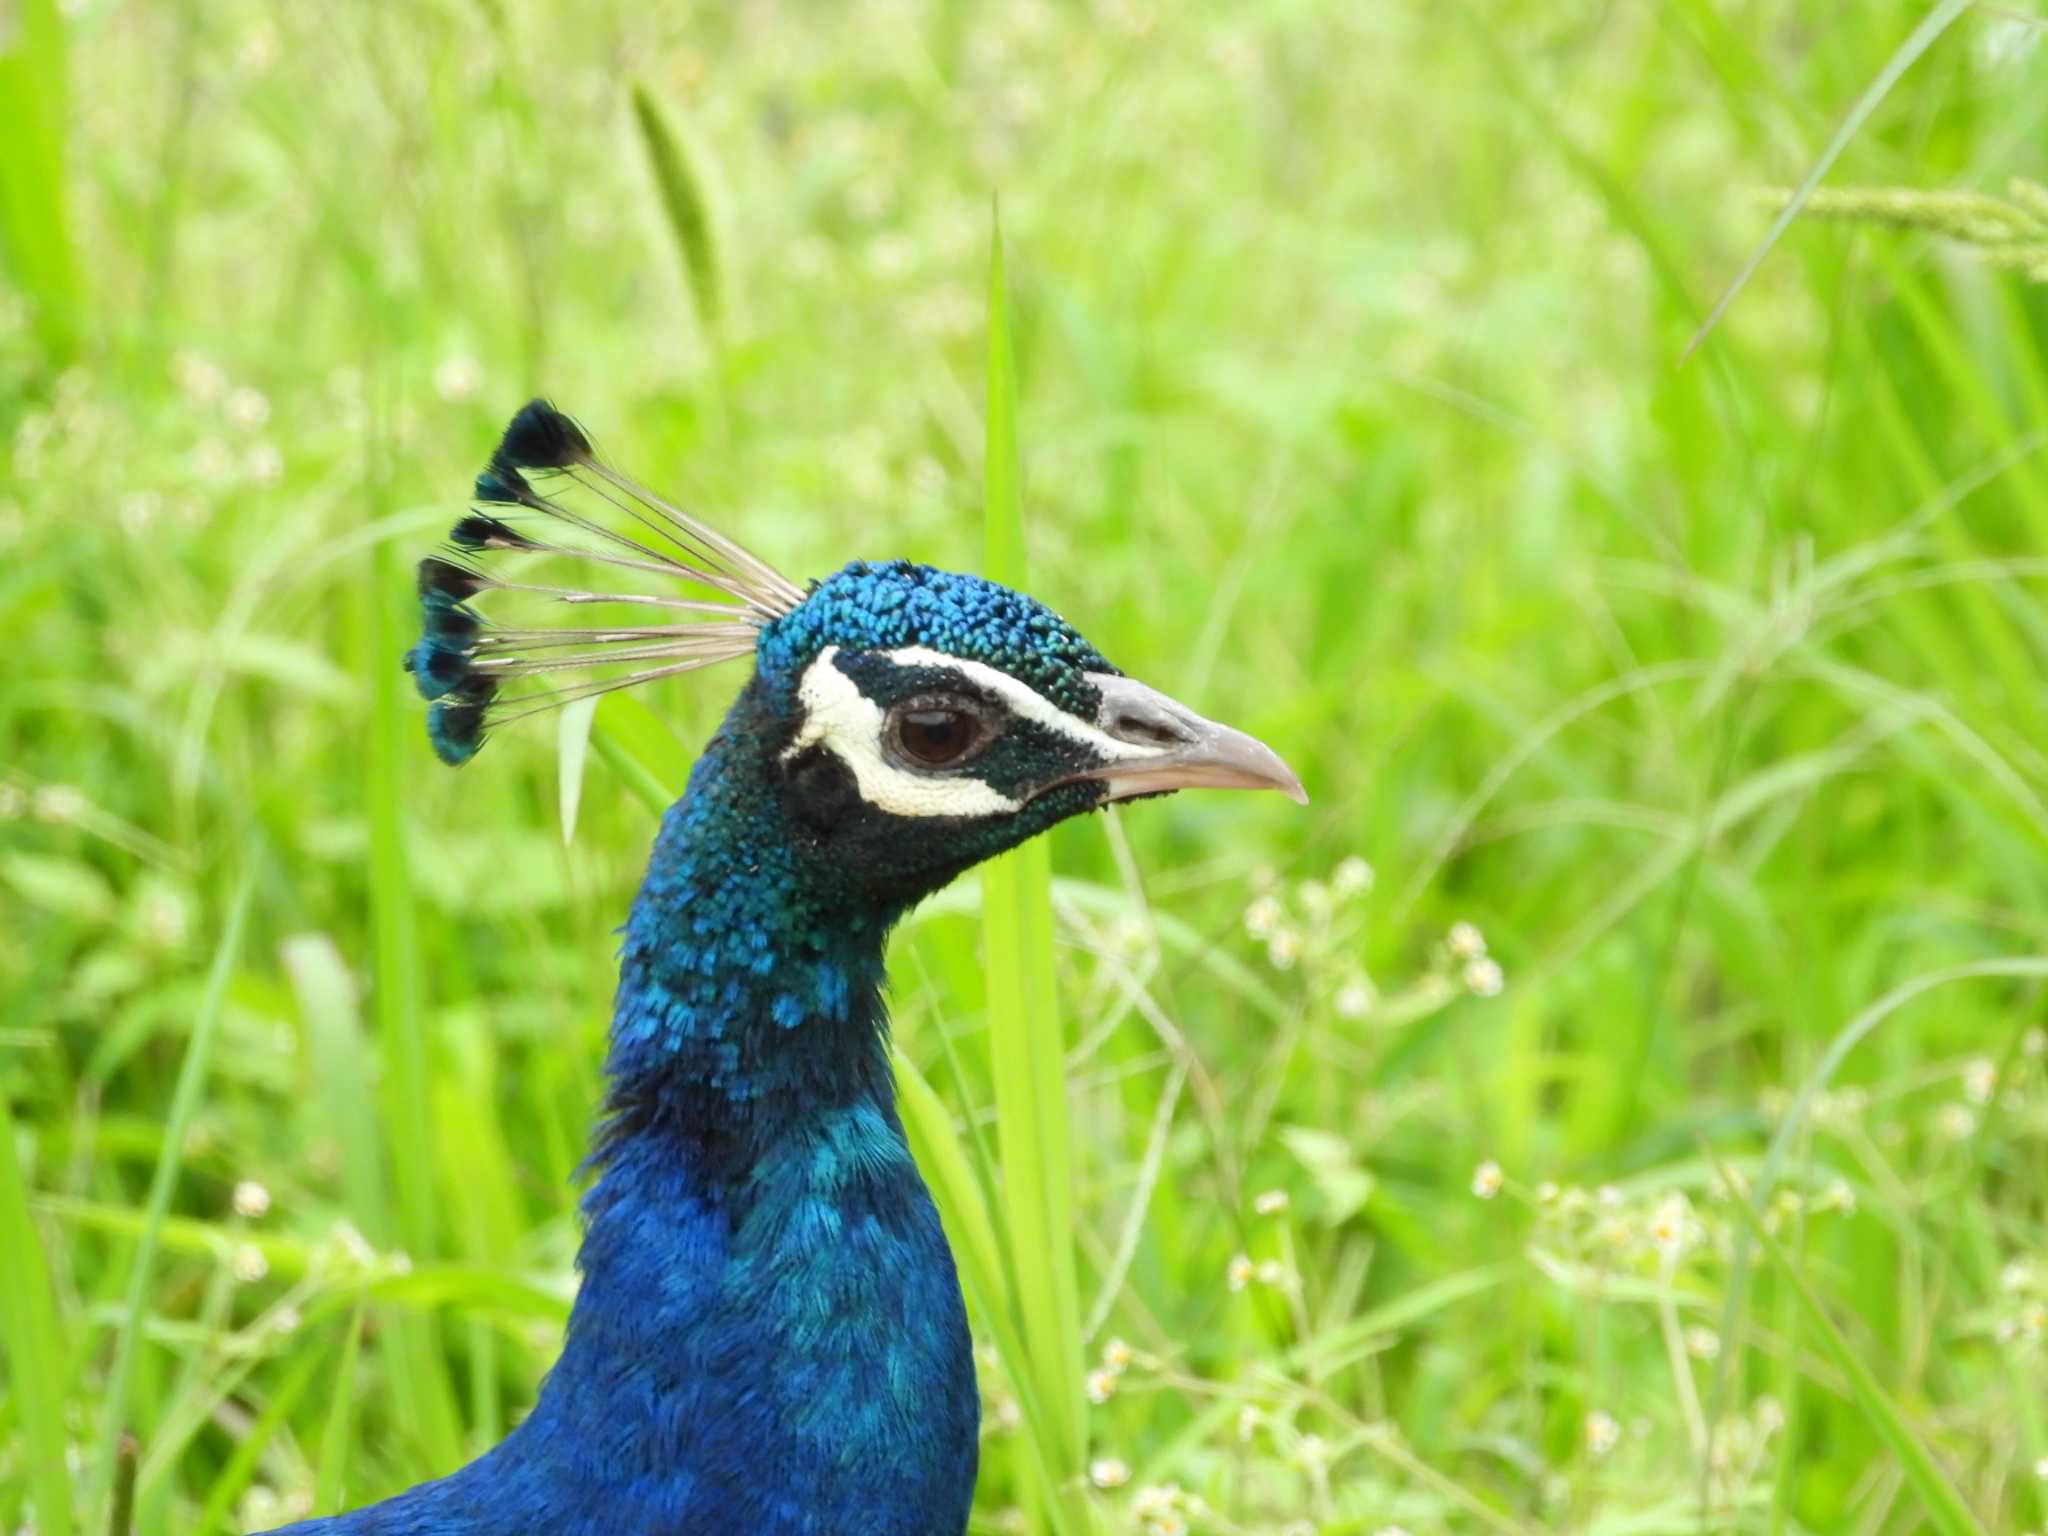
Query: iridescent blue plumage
769	1337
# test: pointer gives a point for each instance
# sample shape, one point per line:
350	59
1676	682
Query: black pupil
935	735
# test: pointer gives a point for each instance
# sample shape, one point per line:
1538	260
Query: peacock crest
547	502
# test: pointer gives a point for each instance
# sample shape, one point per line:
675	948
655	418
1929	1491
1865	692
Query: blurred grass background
1709	700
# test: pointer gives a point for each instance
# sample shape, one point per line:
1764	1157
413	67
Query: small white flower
251	1199
1100	1385
1262	917
211	459
458	378
1116	1355
1240	1272
260	1505
1312	1451
263	464
1546	1192
1669	1224
1486	1180
1108	1472
1352	877
1838	1196
1129	936
1248	1421
1234	55
1770	1415
286	1319
2034	1042
257	50
1702	1343
2034	1320
1314	897
2015	1276
1155	1499
1980	1080
1465	941
1956	1122
197	378
1283	949
1272	1272
248	408
139	509
2041	1469
1353	999
1602	1433
891	255
1483	977
248	1264
1270	1202
1608	1196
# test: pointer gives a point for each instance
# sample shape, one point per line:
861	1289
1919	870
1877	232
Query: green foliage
1691	717
35	231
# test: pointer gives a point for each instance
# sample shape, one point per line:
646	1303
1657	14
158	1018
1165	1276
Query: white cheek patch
849	724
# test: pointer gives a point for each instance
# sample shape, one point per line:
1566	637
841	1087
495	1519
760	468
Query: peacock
769	1337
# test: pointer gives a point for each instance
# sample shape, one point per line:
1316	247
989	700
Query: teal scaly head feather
769	1337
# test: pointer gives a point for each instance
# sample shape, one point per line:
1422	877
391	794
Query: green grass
1338	391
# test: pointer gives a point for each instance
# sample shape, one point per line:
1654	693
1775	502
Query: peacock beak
1168	746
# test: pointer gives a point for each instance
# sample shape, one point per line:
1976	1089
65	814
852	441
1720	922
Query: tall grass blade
1938	1497
163	1182
35	232
977	1250
1026	1048
572	742
1918	41
681	181
338	1440
343	1101
32	1337
419	1371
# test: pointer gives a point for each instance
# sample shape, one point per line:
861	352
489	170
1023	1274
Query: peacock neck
748	1002
769	1336
765	1280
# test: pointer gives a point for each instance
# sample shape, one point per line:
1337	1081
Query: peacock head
902	723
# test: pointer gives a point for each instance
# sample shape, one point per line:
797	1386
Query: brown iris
935	737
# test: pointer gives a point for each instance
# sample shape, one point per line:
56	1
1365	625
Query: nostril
1133	727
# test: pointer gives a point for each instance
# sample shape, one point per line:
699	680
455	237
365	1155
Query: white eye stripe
1027	703
849	725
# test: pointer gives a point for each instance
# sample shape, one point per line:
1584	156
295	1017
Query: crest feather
590	515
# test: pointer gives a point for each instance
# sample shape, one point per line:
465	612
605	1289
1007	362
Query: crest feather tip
541	437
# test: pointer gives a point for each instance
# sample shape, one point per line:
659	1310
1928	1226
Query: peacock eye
935	735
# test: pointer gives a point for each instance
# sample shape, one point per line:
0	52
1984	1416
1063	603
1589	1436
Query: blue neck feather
769	1336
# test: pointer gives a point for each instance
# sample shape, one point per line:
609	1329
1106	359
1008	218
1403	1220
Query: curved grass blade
1918	41
680	179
